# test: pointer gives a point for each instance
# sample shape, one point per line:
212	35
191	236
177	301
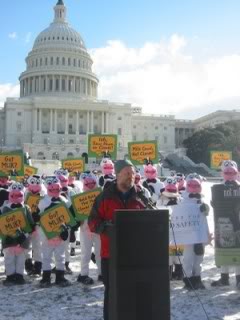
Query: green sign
83	202
100	144
53	219
139	151
11	164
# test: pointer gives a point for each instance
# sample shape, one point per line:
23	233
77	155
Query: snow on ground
77	302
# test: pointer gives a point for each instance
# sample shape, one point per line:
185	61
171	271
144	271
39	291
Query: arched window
70	155
55	156
40	156
85	156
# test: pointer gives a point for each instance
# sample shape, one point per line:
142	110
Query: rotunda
59	62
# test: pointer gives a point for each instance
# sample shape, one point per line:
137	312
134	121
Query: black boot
85	280
19	279
178	272
72	252
93	257
28	266
198	284
46	279
68	270
37	270
189	283
60	280
238	282
170	272
223	281
9	281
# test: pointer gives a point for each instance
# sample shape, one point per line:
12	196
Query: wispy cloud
12	35
163	77
8	90
28	37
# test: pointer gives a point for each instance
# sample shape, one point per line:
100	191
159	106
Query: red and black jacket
103	208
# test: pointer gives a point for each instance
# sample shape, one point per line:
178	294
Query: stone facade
58	105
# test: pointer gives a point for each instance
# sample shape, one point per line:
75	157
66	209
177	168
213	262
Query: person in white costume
56	246
87	238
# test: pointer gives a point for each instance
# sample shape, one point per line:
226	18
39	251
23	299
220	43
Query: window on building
40	156
70	115
70	84
63	61
46	61
51	61
119	131
51	85
156	127
74	62
70	155
63	85
57	61
165	128
57	84
165	140
119	118
19	126
55	156
40	61
134	137
19	114
134	127
70	128
69	61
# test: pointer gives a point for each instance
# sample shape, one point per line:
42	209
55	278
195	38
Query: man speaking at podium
121	194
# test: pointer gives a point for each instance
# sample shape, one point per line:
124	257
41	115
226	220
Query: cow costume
35	187
107	168
67	192
193	253
14	247
171	197
56	246
151	182
230	176
87	238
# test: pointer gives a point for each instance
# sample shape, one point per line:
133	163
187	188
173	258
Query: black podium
139	266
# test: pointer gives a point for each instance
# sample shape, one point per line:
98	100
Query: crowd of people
123	187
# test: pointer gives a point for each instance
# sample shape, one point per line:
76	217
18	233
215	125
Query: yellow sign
29	171
11	222
217	157
55	218
74	165
11	163
99	144
140	151
32	201
83	202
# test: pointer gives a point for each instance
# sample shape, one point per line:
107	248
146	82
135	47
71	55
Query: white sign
188	225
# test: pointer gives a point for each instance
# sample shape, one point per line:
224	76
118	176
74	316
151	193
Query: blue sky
204	31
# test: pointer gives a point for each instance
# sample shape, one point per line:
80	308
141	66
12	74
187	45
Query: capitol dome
59	62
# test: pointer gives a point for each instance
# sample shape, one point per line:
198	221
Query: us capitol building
58	105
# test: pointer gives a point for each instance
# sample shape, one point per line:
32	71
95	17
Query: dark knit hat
120	164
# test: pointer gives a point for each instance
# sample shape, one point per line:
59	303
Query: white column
66	122
88	122
92	121
102	129
77	123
